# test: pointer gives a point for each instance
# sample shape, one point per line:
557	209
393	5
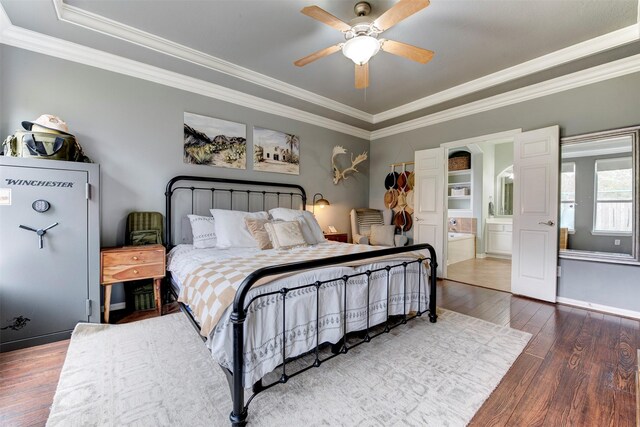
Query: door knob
549	223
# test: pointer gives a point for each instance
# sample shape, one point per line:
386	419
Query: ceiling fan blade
362	76
325	17
399	11
319	54
407	51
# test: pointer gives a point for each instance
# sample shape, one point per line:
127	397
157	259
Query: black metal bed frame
238	416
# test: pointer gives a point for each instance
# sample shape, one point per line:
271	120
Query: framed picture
214	142
275	151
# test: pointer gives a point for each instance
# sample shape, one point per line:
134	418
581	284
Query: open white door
535	214
428	200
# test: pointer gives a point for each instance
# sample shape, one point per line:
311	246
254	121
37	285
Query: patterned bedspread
210	288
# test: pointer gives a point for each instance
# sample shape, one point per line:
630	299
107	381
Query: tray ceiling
471	39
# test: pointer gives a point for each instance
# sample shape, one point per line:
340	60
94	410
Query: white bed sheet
263	328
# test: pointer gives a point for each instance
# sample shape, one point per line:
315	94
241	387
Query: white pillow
231	230
203	230
315	227
284	235
382	235
313	232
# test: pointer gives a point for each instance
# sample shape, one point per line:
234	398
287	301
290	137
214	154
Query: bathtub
461	247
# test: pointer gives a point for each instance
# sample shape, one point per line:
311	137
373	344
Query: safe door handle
40	232
550	223
51	226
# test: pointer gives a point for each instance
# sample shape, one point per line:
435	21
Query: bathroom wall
503	157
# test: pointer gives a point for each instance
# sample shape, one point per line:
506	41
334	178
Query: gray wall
605	105
583	239
133	129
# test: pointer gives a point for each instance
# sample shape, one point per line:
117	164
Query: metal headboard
293	195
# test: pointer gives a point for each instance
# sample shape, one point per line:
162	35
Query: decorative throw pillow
284	235
382	235
259	233
231	230
203	230
311	230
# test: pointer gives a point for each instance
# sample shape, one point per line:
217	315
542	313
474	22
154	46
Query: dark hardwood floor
577	370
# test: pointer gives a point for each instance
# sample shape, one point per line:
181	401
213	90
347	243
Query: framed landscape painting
214	142
275	151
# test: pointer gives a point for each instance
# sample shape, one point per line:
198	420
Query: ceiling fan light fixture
361	48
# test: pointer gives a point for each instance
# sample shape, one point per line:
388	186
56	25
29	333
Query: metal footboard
238	317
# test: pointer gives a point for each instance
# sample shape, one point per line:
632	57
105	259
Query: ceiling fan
361	36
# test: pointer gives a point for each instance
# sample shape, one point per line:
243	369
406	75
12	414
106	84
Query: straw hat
391	180
47	122
391	198
411	181
409	200
402	200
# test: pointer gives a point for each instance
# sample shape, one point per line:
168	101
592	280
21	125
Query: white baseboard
483	255
497	256
116	306
599	307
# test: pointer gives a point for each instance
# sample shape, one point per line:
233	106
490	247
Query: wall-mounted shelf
460	205
460	172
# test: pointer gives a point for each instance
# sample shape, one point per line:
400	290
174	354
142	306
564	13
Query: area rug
158	372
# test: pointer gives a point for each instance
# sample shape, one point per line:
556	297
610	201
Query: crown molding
77	16
577	51
589	76
5	22
51	46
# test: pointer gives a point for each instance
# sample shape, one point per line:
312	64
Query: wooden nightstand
126	263
337	237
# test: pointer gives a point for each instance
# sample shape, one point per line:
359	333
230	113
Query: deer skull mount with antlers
337	173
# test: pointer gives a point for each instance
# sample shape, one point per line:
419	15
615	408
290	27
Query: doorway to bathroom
479	208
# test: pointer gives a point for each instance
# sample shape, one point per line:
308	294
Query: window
613	211
568	196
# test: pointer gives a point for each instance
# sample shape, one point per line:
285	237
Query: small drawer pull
135	271
135	258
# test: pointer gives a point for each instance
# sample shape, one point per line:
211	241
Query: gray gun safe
49	249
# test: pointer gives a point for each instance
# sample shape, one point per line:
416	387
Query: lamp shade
360	49
320	201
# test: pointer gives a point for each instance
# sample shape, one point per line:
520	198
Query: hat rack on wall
399	195
401	164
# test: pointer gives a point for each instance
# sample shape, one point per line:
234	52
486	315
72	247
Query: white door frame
504	136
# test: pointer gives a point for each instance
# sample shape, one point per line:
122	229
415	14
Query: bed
266	322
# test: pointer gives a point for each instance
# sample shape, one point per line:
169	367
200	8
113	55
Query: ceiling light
361	48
